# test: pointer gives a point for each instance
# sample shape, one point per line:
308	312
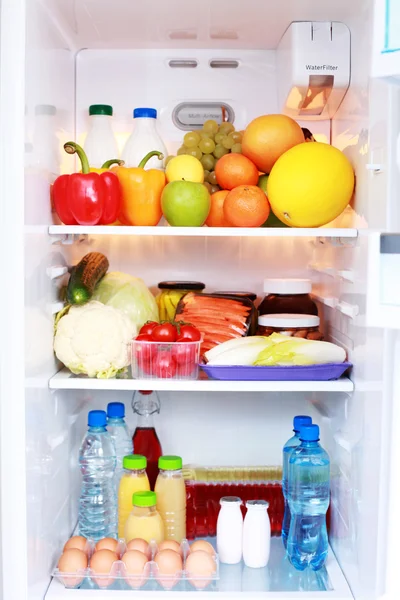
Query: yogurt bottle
143	140
100	144
230	530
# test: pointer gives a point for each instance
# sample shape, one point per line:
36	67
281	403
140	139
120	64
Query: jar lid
287	320
134	462
250	295
181	285
170	463
287	286
100	109
144	499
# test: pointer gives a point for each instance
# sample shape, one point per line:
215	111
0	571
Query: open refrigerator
70	54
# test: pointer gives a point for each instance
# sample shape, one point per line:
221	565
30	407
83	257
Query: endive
300	352
240	351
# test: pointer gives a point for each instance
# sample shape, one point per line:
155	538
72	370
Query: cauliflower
94	340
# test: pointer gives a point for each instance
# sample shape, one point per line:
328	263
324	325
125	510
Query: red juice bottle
145	438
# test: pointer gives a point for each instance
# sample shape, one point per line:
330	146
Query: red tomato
164	333
190	334
183	354
164	365
148	327
144	352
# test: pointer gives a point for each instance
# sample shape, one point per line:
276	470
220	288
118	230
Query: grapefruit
268	137
246	206
310	185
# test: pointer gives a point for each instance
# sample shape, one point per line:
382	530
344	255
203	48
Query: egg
73	561
79	542
200	567
202	545
101	564
169	567
139	544
170	545
135	564
107	544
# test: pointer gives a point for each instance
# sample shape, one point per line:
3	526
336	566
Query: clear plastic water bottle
309	487
119	432
293	442
98	500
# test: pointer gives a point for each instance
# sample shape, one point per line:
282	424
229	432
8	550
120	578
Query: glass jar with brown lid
287	296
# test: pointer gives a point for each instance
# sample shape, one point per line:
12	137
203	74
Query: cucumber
85	276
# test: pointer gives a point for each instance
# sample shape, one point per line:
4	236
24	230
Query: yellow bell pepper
141	193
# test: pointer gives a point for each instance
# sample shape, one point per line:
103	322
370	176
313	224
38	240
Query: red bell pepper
92	197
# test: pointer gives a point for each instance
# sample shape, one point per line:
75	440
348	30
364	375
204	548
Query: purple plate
310	373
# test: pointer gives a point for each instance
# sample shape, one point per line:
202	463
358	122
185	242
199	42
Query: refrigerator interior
71	54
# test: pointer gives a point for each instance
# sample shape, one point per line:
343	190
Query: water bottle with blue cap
119	432
308	496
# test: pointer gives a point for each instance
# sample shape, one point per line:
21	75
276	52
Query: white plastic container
100	144
256	534
143	140
230	530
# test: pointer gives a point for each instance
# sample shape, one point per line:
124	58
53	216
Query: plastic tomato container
161	360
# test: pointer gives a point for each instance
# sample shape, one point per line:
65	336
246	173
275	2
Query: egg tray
151	578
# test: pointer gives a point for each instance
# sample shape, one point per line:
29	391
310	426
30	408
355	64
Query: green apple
185	203
272	220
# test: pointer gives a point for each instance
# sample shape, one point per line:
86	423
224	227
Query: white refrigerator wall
40	488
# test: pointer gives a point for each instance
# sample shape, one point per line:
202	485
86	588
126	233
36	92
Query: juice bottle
145	439
134	479
171	497
144	520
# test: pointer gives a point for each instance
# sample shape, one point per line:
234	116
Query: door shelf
278	580
64	380
73	230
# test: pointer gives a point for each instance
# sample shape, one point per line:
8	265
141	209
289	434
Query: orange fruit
216	215
268	137
233	170
246	206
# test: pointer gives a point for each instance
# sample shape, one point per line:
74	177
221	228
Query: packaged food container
250	296
287	296
119	577
292	325
170	295
160	360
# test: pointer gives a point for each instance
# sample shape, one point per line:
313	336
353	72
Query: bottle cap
288	320
101	109
170	463
97	418
149	113
309	433
287	286
257	504
45	109
115	410
230	500
134	462
144	499
301	420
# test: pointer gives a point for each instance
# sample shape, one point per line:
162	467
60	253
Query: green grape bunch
209	144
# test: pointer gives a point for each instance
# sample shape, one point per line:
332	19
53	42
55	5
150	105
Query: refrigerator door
386	48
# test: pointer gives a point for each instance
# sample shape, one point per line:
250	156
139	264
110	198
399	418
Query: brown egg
139	544
170	545
107	544
135	564
200	564
202	545
101	564
73	561
169	565
77	541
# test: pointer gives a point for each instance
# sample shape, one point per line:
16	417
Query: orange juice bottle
171	497
134	479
